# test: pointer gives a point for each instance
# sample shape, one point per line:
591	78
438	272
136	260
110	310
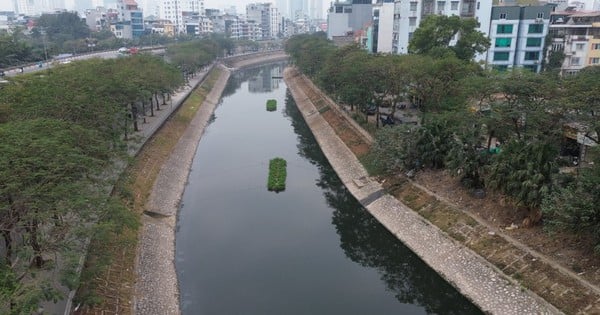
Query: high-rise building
174	11
349	16
282	6
25	7
316	9
297	9
266	17
518	35
408	16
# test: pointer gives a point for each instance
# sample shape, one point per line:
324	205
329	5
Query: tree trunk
134	112
38	261
156	99
157	106
164	99
144	112
7	245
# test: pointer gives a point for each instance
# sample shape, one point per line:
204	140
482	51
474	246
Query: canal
311	249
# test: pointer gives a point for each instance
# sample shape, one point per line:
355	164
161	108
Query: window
536	28
412	21
441	5
504	29
532	68
503	16
478	5
501	56
596	46
579	46
454	5
503	42
540	15
532	55
413	6
575	61
534	42
410	35
594	61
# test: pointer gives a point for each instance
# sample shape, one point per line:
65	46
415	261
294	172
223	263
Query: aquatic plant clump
271	105
277	175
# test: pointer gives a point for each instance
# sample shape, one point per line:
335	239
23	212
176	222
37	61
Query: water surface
312	249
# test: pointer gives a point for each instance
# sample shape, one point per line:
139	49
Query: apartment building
517	36
577	35
349	16
266	16
174	11
130	14
381	33
409	13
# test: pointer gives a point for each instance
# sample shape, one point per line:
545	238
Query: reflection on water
311	249
260	79
367	242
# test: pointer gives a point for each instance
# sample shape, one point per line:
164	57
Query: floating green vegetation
271	105
277	174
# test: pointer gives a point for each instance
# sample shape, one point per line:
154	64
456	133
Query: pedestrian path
154	123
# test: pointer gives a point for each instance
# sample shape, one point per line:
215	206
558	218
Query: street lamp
43	31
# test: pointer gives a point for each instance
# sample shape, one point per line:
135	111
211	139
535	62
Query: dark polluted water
311	249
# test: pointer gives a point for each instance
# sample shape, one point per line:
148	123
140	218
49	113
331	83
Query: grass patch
277	174
108	279
271	105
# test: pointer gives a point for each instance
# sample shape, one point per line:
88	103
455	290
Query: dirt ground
568	250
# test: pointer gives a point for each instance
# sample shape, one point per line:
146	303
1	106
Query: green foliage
63	27
394	149
62	132
467	157
277	175
463	109
574	205
13	50
524	171
191	56
271	105
309	52
435	32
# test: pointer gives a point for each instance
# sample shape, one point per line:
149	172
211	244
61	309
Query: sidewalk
160	116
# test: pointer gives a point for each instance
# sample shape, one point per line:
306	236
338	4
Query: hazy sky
7	5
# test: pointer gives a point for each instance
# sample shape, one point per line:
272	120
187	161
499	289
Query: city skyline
148	5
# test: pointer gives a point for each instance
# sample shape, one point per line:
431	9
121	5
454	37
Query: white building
383	27
409	13
347	17
174	11
25	7
266	16
316	9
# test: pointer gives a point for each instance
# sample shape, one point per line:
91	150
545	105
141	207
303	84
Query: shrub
271	105
277	174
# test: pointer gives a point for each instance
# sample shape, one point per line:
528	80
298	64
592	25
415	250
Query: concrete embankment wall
471	274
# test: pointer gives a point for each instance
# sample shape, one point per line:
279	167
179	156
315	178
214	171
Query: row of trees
65	32
464	112
64	131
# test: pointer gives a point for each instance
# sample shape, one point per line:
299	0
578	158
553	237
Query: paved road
50	63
